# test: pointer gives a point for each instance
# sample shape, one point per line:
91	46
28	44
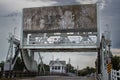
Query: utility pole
77	70
53	57
69	65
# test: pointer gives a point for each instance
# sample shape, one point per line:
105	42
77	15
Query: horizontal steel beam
61	48
61	31
67	50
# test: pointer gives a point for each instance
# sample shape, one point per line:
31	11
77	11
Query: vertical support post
109	44
28	38
77	70
98	62
41	64
32	59
69	65
103	60
98	39
11	55
98	24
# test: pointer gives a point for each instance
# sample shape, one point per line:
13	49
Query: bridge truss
84	38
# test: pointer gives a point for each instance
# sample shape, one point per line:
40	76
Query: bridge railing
115	75
52	42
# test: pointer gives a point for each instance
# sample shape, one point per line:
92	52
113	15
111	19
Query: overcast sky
11	16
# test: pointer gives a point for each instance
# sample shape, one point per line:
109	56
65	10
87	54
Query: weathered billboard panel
71	17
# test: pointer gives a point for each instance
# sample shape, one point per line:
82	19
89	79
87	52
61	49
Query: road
59	78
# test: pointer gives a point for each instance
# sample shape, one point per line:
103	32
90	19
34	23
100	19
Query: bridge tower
12	55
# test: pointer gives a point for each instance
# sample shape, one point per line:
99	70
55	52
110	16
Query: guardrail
115	75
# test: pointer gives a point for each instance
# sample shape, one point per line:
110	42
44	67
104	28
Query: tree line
19	66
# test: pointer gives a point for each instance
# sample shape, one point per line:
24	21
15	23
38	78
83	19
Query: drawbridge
71	28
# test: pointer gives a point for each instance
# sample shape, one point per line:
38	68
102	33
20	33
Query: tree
70	68
86	71
116	62
45	66
2	65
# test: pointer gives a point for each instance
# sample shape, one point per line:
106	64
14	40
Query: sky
11	17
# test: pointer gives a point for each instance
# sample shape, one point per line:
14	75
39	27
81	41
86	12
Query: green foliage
70	68
83	72
2	65
45	66
86	71
116	62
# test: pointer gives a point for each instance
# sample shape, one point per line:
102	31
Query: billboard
70	17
